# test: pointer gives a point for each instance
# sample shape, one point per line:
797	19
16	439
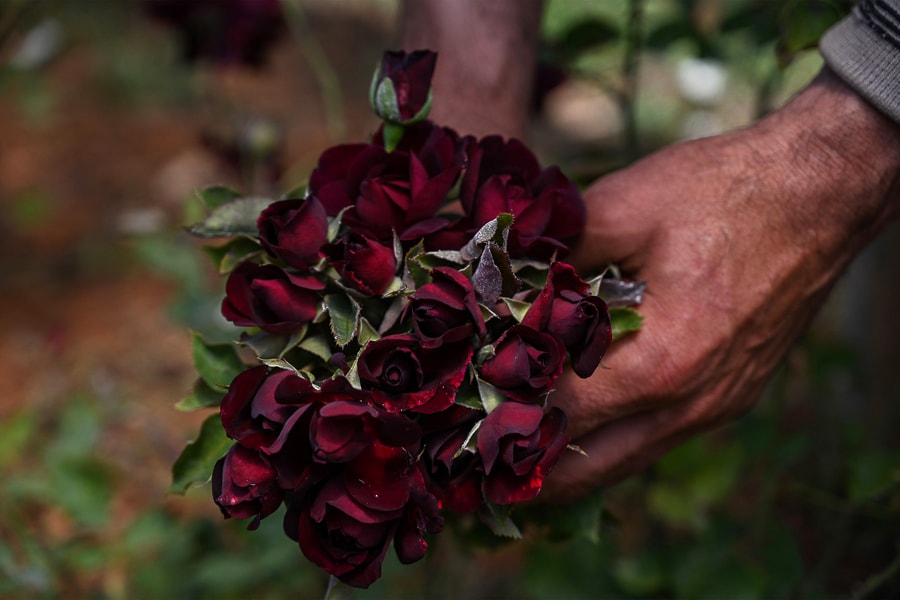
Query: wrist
841	154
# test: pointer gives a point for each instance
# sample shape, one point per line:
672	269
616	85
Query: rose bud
347	525
366	265
506	177
566	308
293	231
268	297
402	375
400	92
519	444
525	364
244	485
446	309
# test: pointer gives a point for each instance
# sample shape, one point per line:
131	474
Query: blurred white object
701	81
39	45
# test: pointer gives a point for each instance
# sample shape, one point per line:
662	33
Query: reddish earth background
95	160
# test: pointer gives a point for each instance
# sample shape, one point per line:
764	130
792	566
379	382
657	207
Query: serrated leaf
467	395
449	256
215	196
334	224
232	219
344	312
317	345
487	279
470	444
624	320
490	396
415	275
617	292
535	278
217	364
195	465
499	521
367	333
227	256
272	345
279	363
496	231
517	308
392	314
202	396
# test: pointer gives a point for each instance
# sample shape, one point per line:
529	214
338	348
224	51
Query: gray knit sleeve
864	51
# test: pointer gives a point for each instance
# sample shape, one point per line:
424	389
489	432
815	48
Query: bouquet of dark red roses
406	319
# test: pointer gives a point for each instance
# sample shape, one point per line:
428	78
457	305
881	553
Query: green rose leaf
344	312
202	396
234	218
229	255
624	321
217	364
499	521
491	397
215	196
318	346
195	465
517	308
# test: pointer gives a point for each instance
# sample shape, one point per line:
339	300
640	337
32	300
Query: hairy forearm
486	56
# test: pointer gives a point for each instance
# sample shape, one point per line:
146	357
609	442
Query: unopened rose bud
400	93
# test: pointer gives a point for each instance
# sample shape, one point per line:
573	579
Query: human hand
740	237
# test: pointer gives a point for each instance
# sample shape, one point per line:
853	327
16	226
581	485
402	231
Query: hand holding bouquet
408	317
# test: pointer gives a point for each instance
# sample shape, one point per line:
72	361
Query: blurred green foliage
799	499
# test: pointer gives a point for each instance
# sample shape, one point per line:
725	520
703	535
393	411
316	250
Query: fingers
615	451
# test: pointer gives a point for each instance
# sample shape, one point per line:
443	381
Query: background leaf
195	465
217	364
234	218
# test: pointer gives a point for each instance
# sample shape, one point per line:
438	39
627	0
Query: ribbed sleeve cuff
866	62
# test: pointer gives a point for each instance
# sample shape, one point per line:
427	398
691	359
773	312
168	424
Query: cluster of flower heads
422	318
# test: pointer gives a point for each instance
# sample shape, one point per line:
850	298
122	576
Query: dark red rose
222	31
261	404
506	177
446	309
293	231
453	477
268	297
566	308
402	375
519	444
244	485
401	87
525	364
346	525
366	265
341	430
391	192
